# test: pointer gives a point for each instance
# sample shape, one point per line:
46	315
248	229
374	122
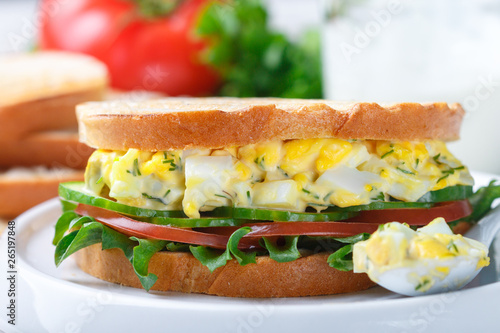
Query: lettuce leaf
89	234
112	239
284	253
210	258
482	201
62	225
342	258
214	259
243	258
142	254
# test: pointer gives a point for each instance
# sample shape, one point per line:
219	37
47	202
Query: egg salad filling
396	246
285	175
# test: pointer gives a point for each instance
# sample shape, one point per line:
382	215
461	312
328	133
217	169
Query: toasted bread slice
182	123
22	188
50	149
39	91
179	271
39	75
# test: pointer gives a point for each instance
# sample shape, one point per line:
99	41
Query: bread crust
46	114
179	271
183	123
52	149
44	74
18	194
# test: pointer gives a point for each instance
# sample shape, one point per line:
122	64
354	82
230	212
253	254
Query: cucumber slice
222	216
452	193
75	191
379	205
236	216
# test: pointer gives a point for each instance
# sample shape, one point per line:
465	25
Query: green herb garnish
387	154
135	170
449	172
160	200
422	284
408	172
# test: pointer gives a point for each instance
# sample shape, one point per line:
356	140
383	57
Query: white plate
64	299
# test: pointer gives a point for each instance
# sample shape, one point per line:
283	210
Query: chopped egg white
208	181
289	175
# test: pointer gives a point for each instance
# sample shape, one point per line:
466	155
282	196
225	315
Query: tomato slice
450	211
217	237
139	229
272	229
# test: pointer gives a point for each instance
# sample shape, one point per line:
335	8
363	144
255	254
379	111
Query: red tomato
146	230
217	237
160	54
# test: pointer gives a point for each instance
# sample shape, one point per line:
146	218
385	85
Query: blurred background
370	50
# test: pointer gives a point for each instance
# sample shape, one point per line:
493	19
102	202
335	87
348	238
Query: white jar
421	50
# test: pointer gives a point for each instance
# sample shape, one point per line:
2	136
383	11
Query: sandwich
38	127
255	197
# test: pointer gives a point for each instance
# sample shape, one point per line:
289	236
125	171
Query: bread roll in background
51	149
3	224
39	91
39	144
22	188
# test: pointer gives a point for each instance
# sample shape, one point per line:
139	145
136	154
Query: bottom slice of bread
23	188
309	275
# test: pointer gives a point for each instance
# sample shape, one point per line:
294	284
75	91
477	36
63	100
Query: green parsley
408	172
147	196
449	172
135	170
422	284
453	246
222	196
387	154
